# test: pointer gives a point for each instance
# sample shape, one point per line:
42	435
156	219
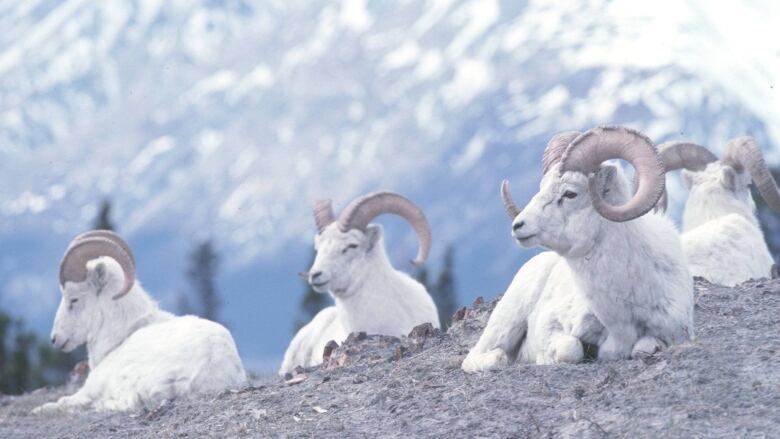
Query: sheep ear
98	275
728	178
687	178
374	233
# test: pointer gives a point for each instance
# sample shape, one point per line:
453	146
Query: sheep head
98	266
724	186
345	244
578	192
682	155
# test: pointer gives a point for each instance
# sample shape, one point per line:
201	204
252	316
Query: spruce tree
311	303
444	293
201	275
103	220
422	276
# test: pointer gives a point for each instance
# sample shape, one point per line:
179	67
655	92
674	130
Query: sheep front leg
65	404
509	321
503	332
618	344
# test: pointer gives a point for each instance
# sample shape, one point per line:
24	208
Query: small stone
319	409
399	353
297	379
258	414
328	350
422	332
459	315
454	362
478	301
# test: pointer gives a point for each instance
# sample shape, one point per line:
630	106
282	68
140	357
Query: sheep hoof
49	407
491	360
646	346
565	349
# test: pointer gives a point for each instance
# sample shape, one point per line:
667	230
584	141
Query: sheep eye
570	194
349	247
72	301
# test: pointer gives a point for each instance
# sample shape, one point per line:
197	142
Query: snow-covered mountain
228	118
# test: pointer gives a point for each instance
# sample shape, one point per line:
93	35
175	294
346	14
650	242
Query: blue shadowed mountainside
227	119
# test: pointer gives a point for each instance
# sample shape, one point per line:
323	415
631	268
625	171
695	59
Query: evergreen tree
103	220
422	276
183	305
769	219
443	290
444	293
201	274
27	363
311	303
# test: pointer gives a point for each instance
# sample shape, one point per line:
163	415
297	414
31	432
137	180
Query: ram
352	265
721	234
139	355
616	278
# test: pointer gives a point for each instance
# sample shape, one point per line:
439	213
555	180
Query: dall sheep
721	233
616	278
139	355
352	265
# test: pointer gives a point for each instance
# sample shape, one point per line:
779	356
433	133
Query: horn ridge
588	151
361	211
73	267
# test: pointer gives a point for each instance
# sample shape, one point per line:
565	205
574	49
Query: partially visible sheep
721	233
616	278
139	355
352	265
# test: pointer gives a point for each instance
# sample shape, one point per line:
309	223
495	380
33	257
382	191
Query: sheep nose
518	226
53	339
316	274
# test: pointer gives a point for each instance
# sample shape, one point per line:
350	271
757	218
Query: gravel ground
725	384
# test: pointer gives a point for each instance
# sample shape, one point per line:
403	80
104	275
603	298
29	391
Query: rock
296	379
329	347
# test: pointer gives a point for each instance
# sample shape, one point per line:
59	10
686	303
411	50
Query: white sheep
352	265
139	355
721	233
615	278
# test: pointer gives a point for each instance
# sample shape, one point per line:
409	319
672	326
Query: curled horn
323	214
586	153
509	204
743	153
363	210
552	155
682	155
73	267
108	234
555	149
